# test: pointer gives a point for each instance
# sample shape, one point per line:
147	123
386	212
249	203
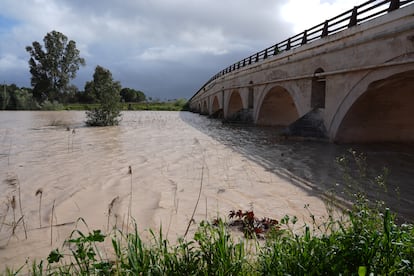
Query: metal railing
359	14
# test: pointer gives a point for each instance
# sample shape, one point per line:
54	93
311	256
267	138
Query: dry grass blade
110	207
73	137
40	192
21	212
13	206
130	198
68	129
14	223
14	227
198	199
175	203
51	223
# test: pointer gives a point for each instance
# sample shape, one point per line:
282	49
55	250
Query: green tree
89	94
106	91
4	97
21	99
132	95
53	68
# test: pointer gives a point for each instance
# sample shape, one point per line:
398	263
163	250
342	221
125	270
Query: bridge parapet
357	15
334	74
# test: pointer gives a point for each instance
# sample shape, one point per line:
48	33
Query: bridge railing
357	15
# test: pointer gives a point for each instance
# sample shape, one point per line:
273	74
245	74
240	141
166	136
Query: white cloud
10	62
168	53
306	14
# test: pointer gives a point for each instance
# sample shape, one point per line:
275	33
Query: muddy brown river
78	171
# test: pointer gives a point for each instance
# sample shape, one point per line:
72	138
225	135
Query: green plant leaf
54	256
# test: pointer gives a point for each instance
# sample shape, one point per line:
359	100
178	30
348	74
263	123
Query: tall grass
364	242
371	244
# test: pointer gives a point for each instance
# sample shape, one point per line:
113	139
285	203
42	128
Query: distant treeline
53	65
171	105
13	97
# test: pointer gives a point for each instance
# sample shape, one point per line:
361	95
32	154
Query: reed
68	130
130	197
110	208
196	205
73	137
39	192
21	211
14	224
175	204
13	206
51	223
13	181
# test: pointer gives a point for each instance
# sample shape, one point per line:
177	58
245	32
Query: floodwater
318	164
57	170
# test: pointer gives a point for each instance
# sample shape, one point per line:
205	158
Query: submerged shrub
106	92
48	105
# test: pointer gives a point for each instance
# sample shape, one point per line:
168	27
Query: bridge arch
318	90
277	107
235	103
379	109
204	109
215	105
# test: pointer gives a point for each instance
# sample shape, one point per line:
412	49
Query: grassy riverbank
177	105
364	240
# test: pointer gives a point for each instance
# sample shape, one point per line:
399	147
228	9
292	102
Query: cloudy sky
166	48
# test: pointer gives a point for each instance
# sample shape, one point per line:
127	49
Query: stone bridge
349	79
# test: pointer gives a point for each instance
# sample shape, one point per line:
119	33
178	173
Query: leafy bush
54	105
102	116
106	91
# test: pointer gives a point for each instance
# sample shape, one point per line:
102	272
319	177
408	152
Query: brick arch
277	107
379	109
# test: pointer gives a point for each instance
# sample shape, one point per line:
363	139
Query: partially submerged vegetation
363	240
106	91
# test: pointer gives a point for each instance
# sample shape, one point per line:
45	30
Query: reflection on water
315	162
